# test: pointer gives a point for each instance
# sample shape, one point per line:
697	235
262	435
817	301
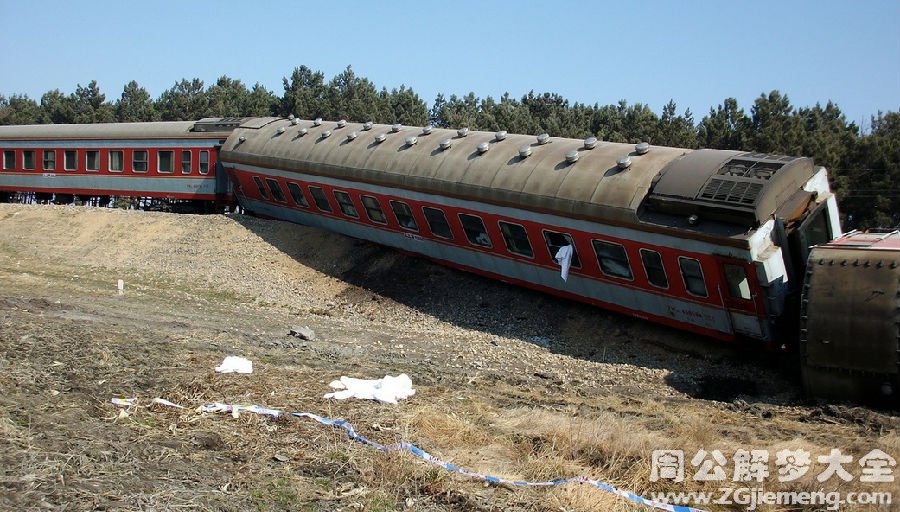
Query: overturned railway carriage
164	160
708	241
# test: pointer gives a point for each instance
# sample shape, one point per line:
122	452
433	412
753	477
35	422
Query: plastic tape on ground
418	452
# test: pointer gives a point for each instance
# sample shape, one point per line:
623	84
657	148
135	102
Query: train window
320	199
259	185
9	160
139	161
737	282
50	160
70	160
346	204
165	161
556	240
474	229
653	267
116	161
297	195
373	209
186	162
516	239
613	259
28	160
92	160
204	162
437	222
692	274
404	215
275	188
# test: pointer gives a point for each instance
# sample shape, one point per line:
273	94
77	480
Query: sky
697	53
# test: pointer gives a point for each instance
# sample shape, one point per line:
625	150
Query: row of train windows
165	160
612	257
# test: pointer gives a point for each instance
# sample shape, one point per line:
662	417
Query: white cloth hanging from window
564	258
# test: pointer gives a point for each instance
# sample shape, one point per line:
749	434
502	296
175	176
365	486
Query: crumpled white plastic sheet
235	364
387	390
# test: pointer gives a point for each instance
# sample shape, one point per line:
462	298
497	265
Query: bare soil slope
509	382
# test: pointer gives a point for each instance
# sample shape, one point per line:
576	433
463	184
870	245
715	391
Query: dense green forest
864	164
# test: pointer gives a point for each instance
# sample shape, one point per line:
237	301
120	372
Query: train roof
213	127
733	192
875	241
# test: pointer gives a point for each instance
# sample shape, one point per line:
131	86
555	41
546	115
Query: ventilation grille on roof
731	191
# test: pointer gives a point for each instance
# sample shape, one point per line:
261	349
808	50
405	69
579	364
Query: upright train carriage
710	241
169	161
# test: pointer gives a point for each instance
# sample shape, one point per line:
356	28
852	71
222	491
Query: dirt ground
508	382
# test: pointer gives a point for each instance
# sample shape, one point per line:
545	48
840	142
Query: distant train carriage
164	160
700	240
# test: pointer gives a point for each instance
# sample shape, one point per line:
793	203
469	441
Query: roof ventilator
572	156
351	136
411	141
500	135
317	122
446	143
302	132
642	148
427	130
342	123
294	120
241	139
543	138
380	138
326	134
462	132
590	143
624	162
396	128
367	126
483	147
525	151
291	117
281	129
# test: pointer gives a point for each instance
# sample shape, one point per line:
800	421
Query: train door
739	293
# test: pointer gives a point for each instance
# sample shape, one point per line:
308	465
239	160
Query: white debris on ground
235	364
387	390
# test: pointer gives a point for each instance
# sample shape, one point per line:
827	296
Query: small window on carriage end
50	160
70	160
320	199
373	209
475	230
116	161
346	204
204	162
653	267
92	161
275	188
186	162
437	222
165	162
28	160
404	215
555	241
9	160
692	274
262	189
613	259
297	195
737	282
139	161
516	238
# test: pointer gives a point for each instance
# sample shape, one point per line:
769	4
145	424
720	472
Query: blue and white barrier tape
415	450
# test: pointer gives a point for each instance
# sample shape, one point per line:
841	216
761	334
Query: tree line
864	164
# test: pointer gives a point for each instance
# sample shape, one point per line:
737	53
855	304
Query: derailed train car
710	241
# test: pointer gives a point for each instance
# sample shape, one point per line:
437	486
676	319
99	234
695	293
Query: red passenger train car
698	240
165	160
